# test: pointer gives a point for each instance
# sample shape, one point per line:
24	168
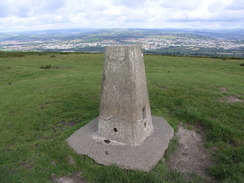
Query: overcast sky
27	15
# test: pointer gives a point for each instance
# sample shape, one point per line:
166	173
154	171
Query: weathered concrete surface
144	157
125	114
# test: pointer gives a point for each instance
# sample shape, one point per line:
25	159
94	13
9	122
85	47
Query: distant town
160	43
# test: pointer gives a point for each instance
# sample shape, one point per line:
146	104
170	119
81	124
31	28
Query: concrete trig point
125	134
125	114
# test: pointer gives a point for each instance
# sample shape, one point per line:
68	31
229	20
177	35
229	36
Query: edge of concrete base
143	157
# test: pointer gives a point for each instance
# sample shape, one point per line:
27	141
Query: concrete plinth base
143	157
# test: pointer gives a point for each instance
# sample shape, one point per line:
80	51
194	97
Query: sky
29	15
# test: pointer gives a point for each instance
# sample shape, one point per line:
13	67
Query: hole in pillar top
145	125
115	129
144	112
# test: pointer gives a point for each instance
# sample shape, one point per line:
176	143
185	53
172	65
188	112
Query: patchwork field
45	97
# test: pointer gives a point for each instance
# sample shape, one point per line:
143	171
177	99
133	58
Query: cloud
49	14
129	3
4	9
236	5
180	4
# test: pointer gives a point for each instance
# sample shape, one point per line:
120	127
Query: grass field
45	97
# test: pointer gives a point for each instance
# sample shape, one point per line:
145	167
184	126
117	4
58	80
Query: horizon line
97	28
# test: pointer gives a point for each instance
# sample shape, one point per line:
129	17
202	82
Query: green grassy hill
45	97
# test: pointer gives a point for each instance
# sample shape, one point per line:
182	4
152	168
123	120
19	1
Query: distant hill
158	41
233	34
